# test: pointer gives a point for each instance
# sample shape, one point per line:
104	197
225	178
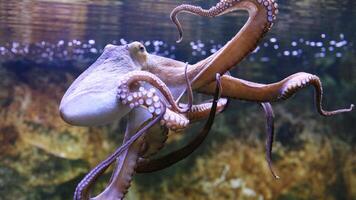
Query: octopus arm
282	90
267	108
147	165
84	187
261	16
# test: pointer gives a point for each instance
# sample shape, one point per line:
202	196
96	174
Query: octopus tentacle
202	111
267	107
147	165
122	176
245	90
148	98
143	96
224	6
189	88
198	112
154	140
82	190
299	82
174	121
262	13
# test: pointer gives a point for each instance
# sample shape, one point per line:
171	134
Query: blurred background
45	44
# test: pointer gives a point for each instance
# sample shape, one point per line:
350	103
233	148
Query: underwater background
46	44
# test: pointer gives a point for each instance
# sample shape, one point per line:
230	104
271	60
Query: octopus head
91	99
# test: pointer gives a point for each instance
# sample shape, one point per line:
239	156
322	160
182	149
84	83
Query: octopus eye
142	48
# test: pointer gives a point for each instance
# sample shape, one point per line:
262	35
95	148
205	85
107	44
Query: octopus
128	82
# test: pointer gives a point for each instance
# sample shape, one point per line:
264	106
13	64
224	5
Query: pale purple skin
91	99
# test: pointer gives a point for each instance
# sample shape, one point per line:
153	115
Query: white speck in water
60	43
264	59
340	44
256	50
91	42
123	41
248	192
236	183
156	43
93	50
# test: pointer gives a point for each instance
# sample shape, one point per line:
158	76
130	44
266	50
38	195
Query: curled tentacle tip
331	113
274	174
179	40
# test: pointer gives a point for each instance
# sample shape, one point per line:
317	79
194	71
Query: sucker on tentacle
200	111
144	97
261	15
82	191
267	107
302	80
149	98
282	90
147	165
222	7
172	119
